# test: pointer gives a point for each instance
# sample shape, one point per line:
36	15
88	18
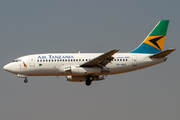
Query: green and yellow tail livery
154	42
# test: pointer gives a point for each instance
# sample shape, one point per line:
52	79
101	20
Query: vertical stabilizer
154	42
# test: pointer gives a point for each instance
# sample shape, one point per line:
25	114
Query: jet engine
76	70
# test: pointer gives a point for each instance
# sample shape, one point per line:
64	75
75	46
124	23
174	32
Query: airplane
88	67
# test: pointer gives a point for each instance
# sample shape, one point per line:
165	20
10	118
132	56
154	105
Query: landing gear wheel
89	80
25	81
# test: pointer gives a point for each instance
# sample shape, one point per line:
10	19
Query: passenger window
37	60
43	60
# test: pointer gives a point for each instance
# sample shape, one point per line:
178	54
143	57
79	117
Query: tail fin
154	42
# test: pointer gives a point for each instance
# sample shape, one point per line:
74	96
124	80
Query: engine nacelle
76	70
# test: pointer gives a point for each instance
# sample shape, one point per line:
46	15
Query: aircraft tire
91	78
25	81
88	82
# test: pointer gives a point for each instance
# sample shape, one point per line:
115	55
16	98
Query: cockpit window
16	60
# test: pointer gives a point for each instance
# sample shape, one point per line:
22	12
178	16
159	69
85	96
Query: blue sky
69	26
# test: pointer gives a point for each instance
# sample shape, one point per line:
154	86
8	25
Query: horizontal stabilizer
163	53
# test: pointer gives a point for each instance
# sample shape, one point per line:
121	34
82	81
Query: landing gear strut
25	80
89	80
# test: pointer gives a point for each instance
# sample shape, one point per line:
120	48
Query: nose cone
7	67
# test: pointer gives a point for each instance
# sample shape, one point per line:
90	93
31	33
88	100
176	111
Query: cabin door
134	60
31	61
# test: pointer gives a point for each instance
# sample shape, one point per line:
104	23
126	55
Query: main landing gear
89	80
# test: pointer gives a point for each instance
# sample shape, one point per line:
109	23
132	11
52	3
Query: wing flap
106	61
101	60
163	53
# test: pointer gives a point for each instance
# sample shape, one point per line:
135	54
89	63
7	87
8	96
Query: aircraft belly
43	71
150	62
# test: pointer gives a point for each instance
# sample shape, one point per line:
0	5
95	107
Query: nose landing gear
23	76
25	80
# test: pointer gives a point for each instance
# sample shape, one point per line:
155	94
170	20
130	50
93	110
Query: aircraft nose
7	67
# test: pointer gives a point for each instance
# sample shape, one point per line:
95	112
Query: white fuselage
88	67
57	64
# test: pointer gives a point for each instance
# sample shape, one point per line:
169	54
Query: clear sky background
69	26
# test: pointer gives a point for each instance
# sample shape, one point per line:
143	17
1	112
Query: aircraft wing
100	61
